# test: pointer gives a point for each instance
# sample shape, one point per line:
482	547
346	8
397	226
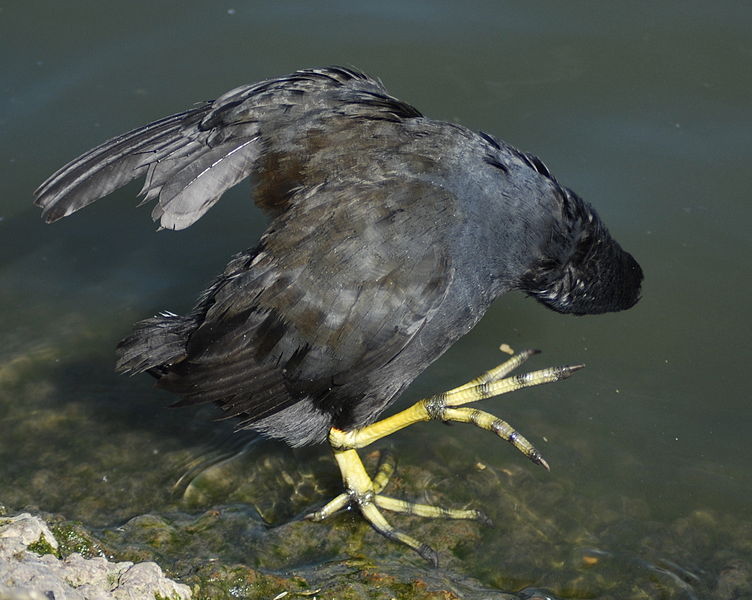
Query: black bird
390	236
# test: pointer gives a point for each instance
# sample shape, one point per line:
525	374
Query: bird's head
582	269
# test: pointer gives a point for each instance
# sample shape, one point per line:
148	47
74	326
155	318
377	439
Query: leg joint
360	498
435	407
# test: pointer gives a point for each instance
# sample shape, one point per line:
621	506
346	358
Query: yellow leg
364	492
495	425
428	510
490	384
360	492
384	471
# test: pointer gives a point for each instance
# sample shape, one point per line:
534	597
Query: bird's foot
363	493
448	406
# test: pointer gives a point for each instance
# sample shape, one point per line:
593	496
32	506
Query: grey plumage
391	234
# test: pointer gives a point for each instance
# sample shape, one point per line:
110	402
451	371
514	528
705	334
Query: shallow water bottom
218	509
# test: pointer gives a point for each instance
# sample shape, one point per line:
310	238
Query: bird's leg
384	471
361	492
364	492
444	407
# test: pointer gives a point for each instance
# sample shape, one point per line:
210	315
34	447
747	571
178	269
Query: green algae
42	547
73	536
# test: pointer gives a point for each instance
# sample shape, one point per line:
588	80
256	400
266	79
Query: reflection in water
214	459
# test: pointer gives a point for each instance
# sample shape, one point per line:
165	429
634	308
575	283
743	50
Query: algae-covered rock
27	570
24	532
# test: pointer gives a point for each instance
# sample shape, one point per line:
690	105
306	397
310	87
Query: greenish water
642	108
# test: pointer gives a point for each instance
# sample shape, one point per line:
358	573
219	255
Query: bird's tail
155	344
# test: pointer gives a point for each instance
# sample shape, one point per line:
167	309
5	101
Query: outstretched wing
336	292
191	158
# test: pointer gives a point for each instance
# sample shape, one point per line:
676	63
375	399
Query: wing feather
191	158
315	313
199	185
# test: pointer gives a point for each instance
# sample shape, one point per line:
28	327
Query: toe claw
429	554
482	517
572	368
539	460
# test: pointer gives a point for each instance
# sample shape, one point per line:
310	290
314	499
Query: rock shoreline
30	569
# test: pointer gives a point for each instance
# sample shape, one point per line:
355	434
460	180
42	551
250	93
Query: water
642	108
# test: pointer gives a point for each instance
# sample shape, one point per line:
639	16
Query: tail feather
154	344
239	385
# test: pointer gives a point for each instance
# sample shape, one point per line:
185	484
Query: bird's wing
340	285
191	158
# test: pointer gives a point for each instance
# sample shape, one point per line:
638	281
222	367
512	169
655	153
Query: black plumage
390	236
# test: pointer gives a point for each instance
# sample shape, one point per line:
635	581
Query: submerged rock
30	569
